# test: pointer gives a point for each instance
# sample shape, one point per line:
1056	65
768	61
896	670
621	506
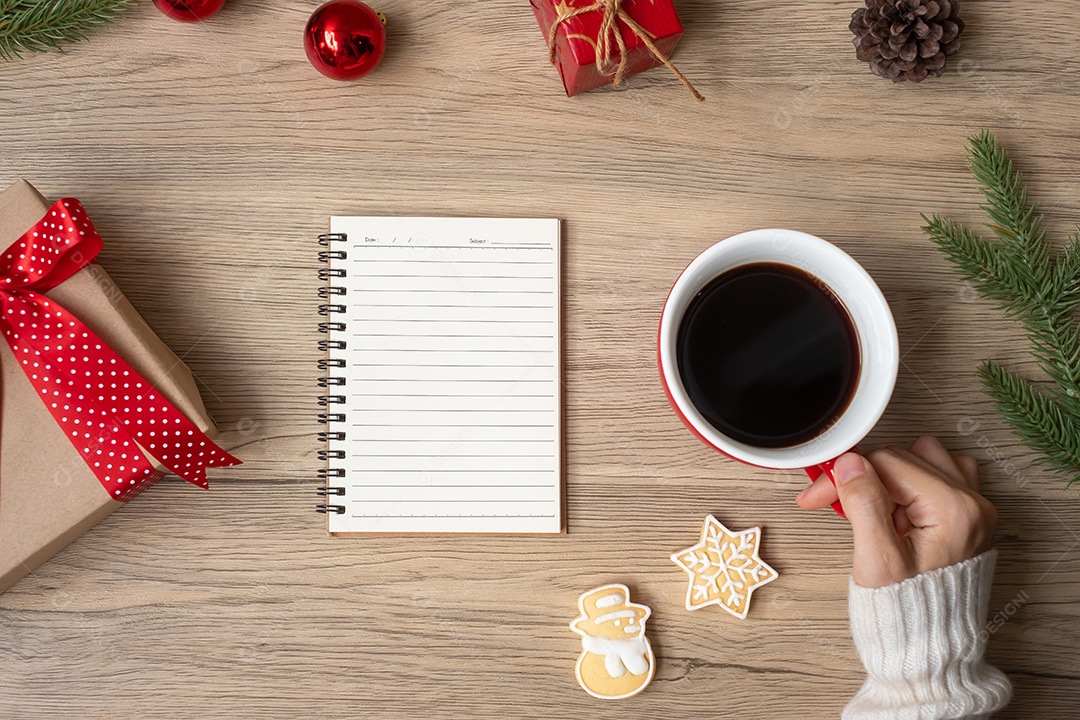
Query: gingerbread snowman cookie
616	658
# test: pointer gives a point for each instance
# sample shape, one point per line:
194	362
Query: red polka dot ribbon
105	408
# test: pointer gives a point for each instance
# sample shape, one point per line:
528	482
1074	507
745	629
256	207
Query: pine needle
40	25
1019	272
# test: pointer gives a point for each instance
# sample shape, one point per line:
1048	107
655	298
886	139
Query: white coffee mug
879	347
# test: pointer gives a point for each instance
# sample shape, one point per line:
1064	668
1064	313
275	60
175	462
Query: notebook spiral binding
329	417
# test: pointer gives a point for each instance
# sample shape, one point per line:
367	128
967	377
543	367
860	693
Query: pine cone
907	39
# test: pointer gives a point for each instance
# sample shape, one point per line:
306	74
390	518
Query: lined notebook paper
450	411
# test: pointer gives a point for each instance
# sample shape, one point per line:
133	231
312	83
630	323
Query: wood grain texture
210	155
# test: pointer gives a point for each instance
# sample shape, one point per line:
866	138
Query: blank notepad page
452	392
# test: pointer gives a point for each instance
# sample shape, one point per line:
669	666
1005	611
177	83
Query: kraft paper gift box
48	494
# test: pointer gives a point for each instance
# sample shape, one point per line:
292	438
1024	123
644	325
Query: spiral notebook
443	399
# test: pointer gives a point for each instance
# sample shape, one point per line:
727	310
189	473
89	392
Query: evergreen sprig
39	25
1039	288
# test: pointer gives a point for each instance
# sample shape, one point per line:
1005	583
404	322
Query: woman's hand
911	510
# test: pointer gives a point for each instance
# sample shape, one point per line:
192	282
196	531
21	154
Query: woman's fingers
908	480
933	453
901	521
821	494
905	453
970	467
880	556
926	470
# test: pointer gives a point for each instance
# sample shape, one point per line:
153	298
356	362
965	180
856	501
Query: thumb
880	556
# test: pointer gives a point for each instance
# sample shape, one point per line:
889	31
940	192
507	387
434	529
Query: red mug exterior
879	346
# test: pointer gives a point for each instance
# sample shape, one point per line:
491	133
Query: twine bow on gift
103	406
610	39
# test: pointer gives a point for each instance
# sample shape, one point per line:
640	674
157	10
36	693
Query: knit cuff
923	646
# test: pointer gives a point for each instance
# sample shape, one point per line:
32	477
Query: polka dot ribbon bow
101	403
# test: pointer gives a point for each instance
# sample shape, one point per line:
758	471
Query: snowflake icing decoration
724	568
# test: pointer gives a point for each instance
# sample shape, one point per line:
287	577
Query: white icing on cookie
620	655
613	615
610	600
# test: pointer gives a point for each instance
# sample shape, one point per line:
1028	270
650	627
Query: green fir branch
40	25
1042	423
1019	272
984	263
1012	217
1067	274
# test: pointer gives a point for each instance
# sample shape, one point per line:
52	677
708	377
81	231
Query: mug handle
826	469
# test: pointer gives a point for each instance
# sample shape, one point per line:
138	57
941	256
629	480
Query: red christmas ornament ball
189	10
345	39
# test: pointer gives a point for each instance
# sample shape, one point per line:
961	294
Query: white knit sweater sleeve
922	642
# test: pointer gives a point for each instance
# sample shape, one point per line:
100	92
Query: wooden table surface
211	155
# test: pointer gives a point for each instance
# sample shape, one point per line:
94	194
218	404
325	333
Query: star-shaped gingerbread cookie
724	568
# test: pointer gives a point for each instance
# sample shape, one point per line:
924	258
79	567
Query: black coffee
768	355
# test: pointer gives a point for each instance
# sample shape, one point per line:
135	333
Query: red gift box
586	46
